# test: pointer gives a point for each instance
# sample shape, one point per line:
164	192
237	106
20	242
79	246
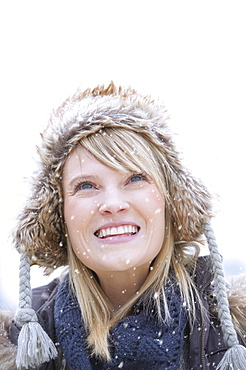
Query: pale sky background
190	54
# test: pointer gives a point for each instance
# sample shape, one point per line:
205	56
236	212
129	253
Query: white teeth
103	232
120	230
114	230
125	229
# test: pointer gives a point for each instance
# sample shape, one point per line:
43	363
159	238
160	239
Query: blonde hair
123	149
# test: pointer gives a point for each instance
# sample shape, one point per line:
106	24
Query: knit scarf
137	342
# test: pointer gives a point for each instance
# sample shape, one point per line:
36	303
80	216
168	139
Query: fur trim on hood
8	350
40	231
237	302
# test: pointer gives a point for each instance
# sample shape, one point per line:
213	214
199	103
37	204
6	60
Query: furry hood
8	350
40	230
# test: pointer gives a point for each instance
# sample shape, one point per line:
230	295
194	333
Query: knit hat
40	234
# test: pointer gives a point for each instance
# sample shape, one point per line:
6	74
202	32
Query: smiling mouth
124	230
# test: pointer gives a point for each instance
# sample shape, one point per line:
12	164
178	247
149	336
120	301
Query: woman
112	200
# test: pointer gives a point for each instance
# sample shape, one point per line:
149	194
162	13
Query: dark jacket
204	343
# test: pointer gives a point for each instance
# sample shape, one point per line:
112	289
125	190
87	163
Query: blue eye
84	186
136	178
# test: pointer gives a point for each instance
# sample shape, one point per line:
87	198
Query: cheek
76	212
78	216
76	224
156	208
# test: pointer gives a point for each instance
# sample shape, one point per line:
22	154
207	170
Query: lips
123	230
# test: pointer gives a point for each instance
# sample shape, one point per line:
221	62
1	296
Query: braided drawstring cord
235	357
25	313
34	345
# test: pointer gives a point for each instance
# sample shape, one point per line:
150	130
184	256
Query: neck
121	286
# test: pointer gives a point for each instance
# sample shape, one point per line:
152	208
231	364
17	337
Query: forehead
82	162
79	155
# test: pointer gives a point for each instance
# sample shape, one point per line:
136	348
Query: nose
113	203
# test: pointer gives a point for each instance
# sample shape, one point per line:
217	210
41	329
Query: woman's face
115	220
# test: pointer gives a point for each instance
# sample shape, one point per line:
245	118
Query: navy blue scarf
137	342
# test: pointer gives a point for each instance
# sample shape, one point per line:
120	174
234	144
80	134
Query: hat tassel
235	356
234	359
34	345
